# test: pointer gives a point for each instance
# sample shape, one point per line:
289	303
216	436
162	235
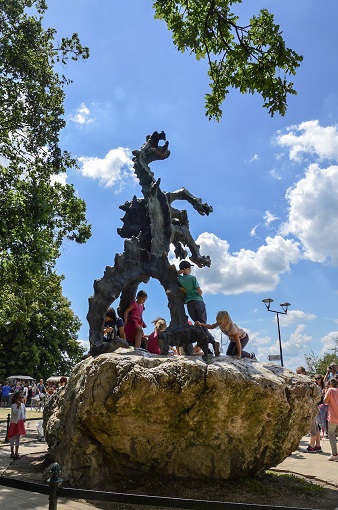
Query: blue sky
272	182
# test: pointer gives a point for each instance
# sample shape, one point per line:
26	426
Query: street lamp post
285	306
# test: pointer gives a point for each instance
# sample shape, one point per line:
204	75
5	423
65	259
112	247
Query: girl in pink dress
153	344
17	424
133	320
331	398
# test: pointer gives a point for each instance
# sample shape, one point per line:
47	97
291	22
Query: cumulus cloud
246	270
82	116
294	347
313	215
328	342
310	138
84	343
297	344
115	169
295	316
60	178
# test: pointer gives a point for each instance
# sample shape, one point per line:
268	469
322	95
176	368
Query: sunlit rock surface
126	414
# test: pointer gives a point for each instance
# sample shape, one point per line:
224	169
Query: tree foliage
251	57
318	365
37	212
38	329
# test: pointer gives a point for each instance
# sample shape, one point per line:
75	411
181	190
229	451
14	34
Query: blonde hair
158	319
223	319
160	325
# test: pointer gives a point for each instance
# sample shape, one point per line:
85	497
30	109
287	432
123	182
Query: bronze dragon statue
150	225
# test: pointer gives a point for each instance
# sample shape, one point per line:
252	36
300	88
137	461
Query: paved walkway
314	466
16	499
311	465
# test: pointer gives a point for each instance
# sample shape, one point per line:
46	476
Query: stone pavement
16	499
313	466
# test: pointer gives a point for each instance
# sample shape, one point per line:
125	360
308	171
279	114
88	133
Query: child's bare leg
11	443
318	438
138	337
15	443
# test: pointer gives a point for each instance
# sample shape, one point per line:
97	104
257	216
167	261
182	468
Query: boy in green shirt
193	299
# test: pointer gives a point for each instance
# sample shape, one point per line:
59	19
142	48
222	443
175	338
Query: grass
299	484
271	483
5	411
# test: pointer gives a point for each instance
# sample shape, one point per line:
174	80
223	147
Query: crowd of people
20	395
325	424
132	327
31	391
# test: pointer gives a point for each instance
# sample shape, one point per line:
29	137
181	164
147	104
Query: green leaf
252	58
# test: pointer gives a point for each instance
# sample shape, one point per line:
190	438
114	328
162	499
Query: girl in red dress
133	320
153	344
17	424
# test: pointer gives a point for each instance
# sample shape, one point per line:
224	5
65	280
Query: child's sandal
16	456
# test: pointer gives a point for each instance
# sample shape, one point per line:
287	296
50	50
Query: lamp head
267	302
285	306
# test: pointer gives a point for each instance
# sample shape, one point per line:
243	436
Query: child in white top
237	336
17	424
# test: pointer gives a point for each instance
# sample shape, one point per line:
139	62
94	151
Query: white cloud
84	343
310	138
313	213
294	347
295	316
61	178
115	169
254	158
269	218
82	116
297	345
328	342
253	230
246	270
275	175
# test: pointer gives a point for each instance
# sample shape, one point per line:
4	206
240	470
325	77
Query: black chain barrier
54	491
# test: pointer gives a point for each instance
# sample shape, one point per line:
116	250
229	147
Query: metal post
267	302
54	482
280	341
8	422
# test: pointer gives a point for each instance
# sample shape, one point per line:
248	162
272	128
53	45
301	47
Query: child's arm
199	290
206	326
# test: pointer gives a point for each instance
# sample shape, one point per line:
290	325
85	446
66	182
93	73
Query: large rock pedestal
127	414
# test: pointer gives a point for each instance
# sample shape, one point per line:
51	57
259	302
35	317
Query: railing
55	491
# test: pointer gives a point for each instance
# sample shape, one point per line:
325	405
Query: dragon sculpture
150	225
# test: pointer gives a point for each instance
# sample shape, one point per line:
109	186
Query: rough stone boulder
127	414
